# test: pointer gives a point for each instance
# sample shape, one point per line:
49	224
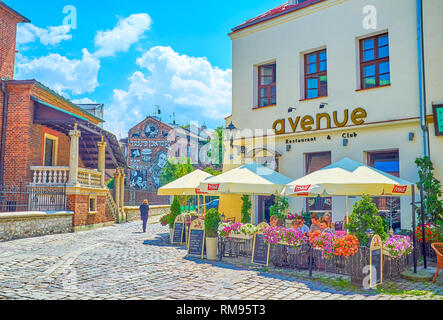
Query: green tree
175	212
213	171
280	208
216	149
365	217
246	209
175	169
110	184
432	189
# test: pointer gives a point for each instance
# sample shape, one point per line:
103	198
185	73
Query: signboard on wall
438	119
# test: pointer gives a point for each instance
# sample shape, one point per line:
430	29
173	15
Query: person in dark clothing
144	213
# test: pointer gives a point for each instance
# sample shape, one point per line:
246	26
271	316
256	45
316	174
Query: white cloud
127	32
194	88
62	74
28	33
84	100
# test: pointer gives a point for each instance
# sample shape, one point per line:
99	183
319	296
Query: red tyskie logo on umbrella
198	191
302	188
213	187
400	189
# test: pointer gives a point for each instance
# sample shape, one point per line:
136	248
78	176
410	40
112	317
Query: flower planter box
240	236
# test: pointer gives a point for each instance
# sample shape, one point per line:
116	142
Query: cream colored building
368	50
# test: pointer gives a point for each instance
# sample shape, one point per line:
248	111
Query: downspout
422	81
4	126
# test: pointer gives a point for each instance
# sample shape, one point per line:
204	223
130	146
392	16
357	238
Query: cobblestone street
119	262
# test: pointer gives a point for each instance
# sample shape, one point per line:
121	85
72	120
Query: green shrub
246	209
280	208
175	211
364	217
212	221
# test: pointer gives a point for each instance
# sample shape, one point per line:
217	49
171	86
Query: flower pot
211	248
171	235
240	236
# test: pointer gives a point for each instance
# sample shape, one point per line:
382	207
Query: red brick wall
18	135
134	197
79	204
37	150
8	29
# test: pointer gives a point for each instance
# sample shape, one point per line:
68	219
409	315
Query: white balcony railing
91	178
57	176
50	175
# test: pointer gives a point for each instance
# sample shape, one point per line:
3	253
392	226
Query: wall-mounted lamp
411	136
288	148
345	142
323	105
291	109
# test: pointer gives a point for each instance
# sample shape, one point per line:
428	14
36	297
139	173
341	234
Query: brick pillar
73	159
102	160
122	192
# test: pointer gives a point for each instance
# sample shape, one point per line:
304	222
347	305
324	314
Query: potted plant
175	212
212	221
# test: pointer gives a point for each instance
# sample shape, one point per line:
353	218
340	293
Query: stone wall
19	225
133	213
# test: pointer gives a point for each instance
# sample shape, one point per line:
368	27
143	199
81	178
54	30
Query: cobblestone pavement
119	262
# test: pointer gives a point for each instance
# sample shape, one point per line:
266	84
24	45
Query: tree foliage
280	208
175	212
212	221
432	188
246	209
216	149
175	169
365	217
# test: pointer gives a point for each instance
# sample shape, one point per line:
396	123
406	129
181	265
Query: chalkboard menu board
376	260
260	254
179	235
196	243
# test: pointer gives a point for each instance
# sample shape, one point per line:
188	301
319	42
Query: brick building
148	147
50	146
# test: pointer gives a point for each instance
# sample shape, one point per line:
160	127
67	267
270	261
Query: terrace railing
19	198
59	176
90	178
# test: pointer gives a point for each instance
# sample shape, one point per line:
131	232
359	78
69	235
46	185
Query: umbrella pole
347	211
198	204
204	204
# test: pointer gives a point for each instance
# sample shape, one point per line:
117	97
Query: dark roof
274	13
41	85
91	134
23	18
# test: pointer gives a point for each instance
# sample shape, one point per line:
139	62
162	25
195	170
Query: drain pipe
4	126
422	81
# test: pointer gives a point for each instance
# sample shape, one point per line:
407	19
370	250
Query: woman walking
144	214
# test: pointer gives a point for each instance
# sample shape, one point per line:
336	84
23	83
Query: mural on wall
138	179
149	144
159	163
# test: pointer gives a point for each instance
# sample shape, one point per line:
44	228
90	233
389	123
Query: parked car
211	205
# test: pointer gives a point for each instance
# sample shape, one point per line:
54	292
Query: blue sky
175	54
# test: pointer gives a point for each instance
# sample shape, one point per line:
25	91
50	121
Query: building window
267	92
315	162
389	207
50	150
92	205
374	62
316	75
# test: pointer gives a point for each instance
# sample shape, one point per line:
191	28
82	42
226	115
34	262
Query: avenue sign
309	123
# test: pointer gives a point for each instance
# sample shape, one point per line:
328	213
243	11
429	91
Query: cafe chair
438	248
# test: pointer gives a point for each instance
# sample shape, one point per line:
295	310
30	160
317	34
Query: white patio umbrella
249	179
348	178
186	186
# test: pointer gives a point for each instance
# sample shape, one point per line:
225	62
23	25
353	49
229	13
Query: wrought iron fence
307	258
22	198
